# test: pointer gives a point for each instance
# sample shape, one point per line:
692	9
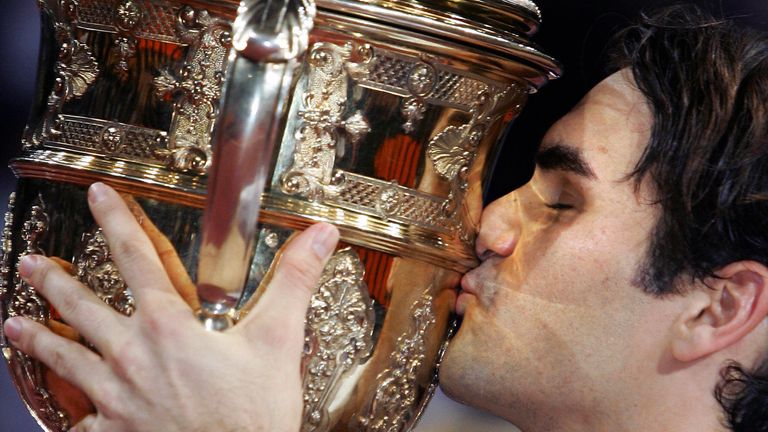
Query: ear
723	313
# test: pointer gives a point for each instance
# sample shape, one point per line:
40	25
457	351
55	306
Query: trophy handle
269	39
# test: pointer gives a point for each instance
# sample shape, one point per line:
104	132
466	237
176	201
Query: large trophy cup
379	116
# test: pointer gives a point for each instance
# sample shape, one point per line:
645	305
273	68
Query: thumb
278	317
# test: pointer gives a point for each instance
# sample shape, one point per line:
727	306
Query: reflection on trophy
228	126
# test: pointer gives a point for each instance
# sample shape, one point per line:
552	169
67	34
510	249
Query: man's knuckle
273	337
58	360
108	400
299	273
127	359
129	249
70	303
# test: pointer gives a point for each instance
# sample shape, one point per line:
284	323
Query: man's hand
160	370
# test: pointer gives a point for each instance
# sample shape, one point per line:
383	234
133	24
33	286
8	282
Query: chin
478	371
460	370
451	373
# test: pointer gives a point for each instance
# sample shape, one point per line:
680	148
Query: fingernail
12	329
27	265
325	240
97	192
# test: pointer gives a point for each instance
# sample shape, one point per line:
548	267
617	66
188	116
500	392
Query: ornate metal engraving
47	408
146	19
25	300
389	201
27	303
449	153
420	82
94	267
339	333
413	110
324	104
196	89
392	405
453	150
111	138
423	80
6	249
76	69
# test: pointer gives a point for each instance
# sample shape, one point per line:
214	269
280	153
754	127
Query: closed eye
559	206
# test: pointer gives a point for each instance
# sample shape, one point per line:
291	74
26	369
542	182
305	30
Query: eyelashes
559	206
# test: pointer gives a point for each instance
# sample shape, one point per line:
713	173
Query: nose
499	228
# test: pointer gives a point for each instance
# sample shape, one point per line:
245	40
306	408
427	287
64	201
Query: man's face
553	318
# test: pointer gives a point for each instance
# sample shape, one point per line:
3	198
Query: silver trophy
228	126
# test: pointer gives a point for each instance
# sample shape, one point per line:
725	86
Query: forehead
610	126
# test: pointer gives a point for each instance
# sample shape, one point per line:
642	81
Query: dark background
574	32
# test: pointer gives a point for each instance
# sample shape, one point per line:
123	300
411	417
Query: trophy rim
510	39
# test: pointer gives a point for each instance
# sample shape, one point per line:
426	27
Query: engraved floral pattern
448	153
77	68
323	124
196	90
28	303
392	405
94	267
339	333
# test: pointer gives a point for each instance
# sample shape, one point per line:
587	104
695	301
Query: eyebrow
562	157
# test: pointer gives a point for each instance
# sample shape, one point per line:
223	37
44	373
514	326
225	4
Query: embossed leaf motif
447	152
28	303
96	269
322	115
392	406
79	68
195	90
339	334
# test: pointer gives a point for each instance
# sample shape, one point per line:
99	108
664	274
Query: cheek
587	264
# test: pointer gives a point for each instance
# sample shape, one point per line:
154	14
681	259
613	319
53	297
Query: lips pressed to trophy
230	125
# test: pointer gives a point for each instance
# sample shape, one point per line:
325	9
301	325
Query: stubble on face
552	321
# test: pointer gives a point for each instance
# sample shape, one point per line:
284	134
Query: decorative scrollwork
392	405
6	249
76	70
196	89
420	82
94	267
324	105
339	333
26	302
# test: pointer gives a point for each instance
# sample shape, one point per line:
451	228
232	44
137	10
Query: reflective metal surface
269	39
385	130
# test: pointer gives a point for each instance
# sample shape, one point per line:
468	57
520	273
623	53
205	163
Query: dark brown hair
706	81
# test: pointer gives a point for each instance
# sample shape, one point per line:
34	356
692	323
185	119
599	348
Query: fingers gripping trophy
228	127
